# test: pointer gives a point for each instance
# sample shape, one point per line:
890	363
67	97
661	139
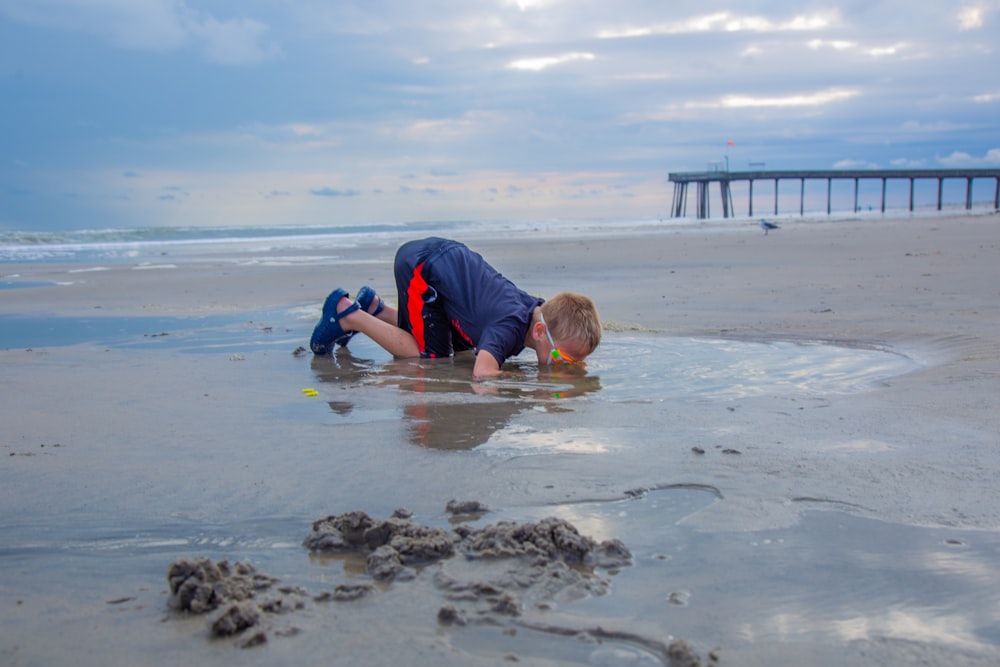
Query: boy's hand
486	365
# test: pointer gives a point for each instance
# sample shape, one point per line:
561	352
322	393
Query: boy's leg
388	314
394	340
419	328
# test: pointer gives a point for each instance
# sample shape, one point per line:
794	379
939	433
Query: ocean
128	244
143	243
109	245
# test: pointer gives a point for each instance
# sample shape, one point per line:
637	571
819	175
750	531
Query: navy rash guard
451	299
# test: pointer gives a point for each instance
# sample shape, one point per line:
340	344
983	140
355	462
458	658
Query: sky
137	113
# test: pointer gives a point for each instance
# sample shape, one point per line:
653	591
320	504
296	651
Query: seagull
767	226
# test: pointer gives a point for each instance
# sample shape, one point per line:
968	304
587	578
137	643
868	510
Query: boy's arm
486	365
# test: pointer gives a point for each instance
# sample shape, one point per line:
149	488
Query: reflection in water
457	425
831	580
644	368
568	440
913	624
341	407
956	563
352	563
344	368
443	407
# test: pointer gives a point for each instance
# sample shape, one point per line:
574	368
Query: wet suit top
451	299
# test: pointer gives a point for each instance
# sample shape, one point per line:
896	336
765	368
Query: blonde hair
572	316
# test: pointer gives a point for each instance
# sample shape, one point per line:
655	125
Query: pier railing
703	181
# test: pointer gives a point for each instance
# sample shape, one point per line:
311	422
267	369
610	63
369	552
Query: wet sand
778	527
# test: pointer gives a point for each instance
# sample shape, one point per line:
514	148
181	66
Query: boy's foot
365	301
328	331
366	297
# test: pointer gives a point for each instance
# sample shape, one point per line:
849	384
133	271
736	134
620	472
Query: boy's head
574	324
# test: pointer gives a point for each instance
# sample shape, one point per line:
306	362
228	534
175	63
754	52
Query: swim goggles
557	354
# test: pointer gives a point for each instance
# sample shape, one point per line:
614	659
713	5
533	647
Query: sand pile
483	574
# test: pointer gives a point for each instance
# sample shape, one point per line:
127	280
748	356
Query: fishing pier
703	181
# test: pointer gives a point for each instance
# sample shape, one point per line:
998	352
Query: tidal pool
446	409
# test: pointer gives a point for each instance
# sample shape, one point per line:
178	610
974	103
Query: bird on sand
767	226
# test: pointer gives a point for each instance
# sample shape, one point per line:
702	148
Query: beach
795	435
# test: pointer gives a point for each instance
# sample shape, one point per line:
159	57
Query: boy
450	300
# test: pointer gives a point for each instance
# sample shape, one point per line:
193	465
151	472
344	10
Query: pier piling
703	181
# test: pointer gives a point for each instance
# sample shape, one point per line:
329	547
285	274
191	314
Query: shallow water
445	409
219	453
190	334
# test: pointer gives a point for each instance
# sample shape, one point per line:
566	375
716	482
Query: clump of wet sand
199	586
501	567
485	575
465	508
394	545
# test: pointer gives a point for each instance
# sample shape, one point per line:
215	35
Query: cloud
971	18
330	192
835	44
932	127
538	64
848	45
817	98
725	22
694	110
150	25
881	51
137	24
235	42
802	100
469	125
527	5
956	159
907	163
959	159
854	164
